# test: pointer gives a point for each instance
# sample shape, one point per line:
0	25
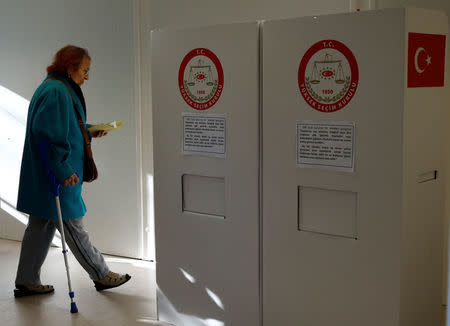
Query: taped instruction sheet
204	134
326	144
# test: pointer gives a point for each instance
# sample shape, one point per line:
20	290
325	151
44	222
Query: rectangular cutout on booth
203	195
330	212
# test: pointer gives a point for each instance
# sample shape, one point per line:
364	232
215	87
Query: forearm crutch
44	149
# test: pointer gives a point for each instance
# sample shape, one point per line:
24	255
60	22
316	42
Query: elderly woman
52	118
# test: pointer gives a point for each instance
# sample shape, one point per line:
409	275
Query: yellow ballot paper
113	125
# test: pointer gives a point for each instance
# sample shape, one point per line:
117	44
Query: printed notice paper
204	134
326	144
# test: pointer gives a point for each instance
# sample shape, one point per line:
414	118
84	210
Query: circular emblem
200	79
328	76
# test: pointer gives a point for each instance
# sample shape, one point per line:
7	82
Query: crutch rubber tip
73	307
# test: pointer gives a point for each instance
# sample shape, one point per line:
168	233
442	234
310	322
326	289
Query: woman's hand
72	180
99	133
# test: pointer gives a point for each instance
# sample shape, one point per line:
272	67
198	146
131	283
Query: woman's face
82	73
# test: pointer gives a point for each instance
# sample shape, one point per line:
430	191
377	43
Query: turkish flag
426	60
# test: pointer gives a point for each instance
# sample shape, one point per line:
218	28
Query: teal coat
52	118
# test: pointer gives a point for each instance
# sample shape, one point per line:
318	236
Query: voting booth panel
205	90
352	156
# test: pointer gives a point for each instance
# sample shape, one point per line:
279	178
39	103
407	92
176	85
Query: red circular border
341	47
197	105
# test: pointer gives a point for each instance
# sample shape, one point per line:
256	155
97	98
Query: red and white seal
328	76
200	79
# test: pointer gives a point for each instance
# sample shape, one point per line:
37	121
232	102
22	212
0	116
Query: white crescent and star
416	57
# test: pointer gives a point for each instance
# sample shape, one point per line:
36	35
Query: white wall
31	32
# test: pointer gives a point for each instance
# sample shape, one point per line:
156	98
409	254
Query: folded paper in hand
113	125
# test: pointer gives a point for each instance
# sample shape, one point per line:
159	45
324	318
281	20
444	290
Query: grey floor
131	304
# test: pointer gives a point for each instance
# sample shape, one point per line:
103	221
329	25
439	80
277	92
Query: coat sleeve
51	123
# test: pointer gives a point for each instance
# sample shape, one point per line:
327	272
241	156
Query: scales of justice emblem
328	76
200	79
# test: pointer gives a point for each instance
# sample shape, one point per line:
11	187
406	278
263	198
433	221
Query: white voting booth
206	148
298	171
353	199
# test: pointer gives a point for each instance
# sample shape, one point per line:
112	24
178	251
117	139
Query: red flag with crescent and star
426	60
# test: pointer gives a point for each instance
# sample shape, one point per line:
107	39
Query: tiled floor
132	304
